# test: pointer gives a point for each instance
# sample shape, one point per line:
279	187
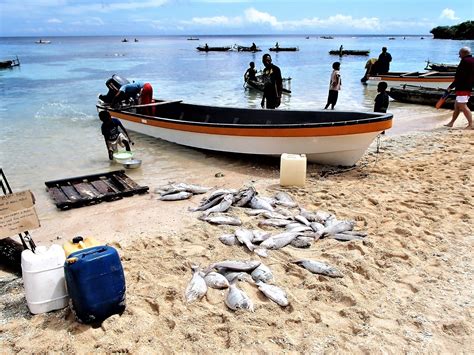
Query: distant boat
422	95
349	52
6	64
42	41
391	37
441	67
192	39
124	40
284	49
135	40
248	49
213	49
307	37
326	37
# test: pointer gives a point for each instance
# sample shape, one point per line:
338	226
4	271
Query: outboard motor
114	84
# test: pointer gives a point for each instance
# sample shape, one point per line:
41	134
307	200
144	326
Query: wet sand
406	288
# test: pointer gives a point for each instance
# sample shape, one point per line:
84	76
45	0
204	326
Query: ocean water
48	121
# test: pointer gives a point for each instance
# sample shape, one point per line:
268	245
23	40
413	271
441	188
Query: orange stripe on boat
340	130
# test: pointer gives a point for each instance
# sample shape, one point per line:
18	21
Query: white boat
42	41
432	79
326	137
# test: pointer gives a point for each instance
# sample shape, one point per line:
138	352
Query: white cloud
54	20
91	21
449	14
254	16
214	21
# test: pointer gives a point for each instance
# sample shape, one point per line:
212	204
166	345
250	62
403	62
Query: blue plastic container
96	283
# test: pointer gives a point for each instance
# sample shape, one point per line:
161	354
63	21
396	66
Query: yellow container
79	243
292	169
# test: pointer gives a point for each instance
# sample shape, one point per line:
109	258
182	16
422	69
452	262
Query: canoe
213	49
192	39
42	41
248	49
424	96
349	52
284	49
9	63
326	137
258	84
431	79
441	67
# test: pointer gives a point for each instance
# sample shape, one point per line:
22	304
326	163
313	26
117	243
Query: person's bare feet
449	124
469	127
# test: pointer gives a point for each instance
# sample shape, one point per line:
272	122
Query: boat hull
339	141
424	96
442	80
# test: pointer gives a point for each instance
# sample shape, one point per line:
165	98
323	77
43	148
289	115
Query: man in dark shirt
273	83
251	73
463	83
381	100
112	130
383	63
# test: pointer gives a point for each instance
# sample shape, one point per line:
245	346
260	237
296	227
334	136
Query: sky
224	17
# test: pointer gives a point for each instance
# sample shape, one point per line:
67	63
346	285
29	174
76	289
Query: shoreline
405	288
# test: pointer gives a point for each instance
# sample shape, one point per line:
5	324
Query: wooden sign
17	214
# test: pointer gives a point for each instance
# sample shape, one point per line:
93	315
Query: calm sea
48	120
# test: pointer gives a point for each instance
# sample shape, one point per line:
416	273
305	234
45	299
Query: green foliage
464	30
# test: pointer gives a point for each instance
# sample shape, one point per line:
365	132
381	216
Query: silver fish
215	280
308	215
262	273
278	241
318	267
284	199
339	227
195	189
259	236
298	228
222	219
274	222
274	293
285	212
302	219
230	276
207	204
197	287
323	216
255	212
245	236
236	265
223	206
229	239
245	196
183	195
220	192
261	252
317	227
302	242
260	203
238	299
293	225
275	215
343	237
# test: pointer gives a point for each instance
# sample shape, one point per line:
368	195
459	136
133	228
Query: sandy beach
407	288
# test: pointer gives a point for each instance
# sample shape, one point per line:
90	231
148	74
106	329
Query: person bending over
114	133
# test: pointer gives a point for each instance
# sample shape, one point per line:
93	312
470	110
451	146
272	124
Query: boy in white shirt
334	85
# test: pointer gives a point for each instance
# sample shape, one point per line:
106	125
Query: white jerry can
292	169
43	278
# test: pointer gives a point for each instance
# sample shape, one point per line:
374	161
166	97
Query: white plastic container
292	169
43	278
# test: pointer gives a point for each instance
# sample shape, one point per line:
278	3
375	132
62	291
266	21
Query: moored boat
9	63
441	67
421	95
213	49
192	39
284	49
431	78
349	52
327	137
248	49
42	41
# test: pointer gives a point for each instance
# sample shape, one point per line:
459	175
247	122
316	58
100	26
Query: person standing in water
273	83
334	85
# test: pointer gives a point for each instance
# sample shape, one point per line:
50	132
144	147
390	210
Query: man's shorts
462	97
113	145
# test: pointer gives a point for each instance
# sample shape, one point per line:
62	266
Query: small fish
275	215
215	280
238	299
183	195
274	222
284	199
293	225
343	237
223	206
262	273
259	236
298	228
222	219
245	236
230	276
302	242
260	203
228	239
197	287
308	215
339	227
318	267
302	219
195	189
236	265
317	227
255	212
245	196
274	293
323	216
278	241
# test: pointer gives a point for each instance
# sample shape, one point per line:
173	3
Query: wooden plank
58	195
102	187
87	191
71	193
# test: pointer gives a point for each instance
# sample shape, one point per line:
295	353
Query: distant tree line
464	30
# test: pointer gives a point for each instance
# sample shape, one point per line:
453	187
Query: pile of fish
179	191
226	274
